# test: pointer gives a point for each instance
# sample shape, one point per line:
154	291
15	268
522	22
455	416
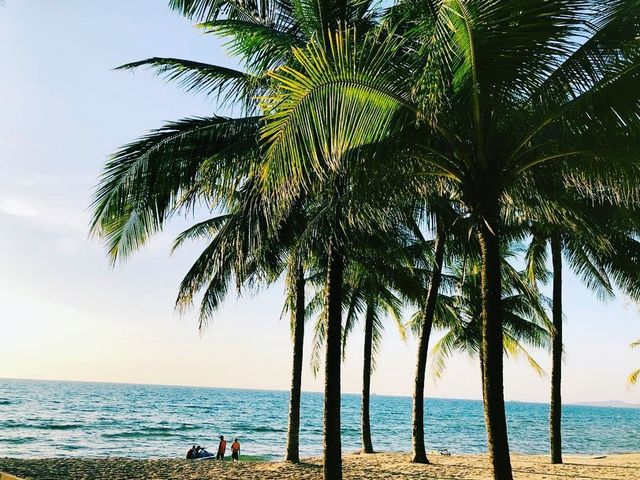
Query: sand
360	467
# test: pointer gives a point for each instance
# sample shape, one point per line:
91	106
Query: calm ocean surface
46	419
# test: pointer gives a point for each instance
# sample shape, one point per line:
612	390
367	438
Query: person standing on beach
222	448
235	450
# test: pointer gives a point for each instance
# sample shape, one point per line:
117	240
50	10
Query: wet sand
356	467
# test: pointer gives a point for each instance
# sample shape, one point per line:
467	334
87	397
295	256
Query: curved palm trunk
332	445
555	409
293	432
367	445
419	451
492	348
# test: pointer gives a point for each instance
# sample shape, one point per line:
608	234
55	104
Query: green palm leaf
144	182
226	84
261	47
339	101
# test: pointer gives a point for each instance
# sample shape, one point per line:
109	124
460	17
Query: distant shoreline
609	403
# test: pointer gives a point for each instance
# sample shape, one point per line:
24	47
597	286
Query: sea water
53	419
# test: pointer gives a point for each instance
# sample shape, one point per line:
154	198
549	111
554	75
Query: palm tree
597	243
254	256
459	314
307	20
370	295
149	180
199	160
582	260
498	81
242	245
445	219
296	282
338	250
424	328
633	377
376	281
338	190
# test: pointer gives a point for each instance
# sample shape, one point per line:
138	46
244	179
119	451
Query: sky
66	314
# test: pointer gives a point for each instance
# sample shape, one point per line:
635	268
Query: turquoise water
47	419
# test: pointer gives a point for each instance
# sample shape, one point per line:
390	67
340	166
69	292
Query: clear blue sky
67	315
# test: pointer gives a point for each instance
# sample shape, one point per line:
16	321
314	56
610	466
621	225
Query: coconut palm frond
226	84
143	183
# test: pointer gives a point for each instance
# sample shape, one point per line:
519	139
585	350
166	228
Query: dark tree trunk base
423	460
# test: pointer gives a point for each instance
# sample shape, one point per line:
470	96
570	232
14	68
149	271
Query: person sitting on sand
235	450
191	454
222	448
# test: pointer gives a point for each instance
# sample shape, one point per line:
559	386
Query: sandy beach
356	467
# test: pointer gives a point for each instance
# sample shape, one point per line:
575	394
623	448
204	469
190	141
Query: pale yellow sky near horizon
246	347
66	314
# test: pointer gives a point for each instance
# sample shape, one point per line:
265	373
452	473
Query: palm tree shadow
568	475
308	465
630	467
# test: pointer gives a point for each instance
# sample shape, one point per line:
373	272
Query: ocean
58	419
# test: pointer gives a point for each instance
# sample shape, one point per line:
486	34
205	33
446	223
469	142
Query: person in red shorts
235	450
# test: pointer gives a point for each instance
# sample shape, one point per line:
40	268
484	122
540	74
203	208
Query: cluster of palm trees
401	155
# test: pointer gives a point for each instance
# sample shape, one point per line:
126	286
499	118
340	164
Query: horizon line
373	394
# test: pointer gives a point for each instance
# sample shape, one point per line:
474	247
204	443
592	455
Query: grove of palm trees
419	165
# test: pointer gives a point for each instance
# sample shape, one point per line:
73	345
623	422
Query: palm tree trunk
293	432
492	347
367	445
555	409
429	310
332	445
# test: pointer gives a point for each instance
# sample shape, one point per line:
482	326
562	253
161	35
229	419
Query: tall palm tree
498	81
338	189
597	243
427	315
243	244
201	160
296	282
371	296
151	179
448	224
339	221
376	282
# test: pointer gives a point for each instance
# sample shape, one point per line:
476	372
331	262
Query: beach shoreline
356	466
